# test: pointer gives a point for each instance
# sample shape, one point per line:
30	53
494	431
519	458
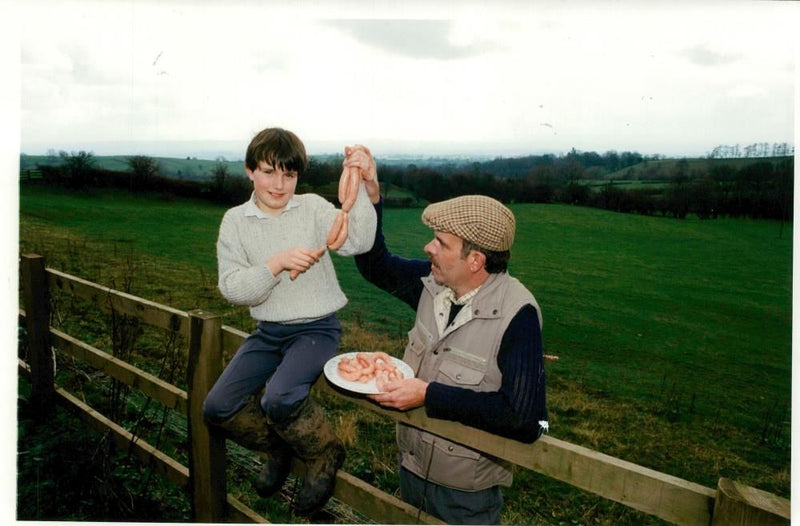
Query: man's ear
477	260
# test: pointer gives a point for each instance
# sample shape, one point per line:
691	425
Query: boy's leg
305	353
247	372
299	420
234	405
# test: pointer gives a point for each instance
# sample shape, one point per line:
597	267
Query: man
475	348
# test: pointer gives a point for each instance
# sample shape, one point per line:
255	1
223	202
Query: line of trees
761	188
757	149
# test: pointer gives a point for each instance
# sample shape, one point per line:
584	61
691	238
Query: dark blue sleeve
514	411
398	276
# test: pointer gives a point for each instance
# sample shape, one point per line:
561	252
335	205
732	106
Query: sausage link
341	236
352	189
336	227
344	184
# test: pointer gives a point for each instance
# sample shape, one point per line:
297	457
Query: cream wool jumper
248	238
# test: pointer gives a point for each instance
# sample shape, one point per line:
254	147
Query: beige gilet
464	356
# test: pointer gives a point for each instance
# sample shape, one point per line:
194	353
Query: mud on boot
311	437
319	481
249	428
277	464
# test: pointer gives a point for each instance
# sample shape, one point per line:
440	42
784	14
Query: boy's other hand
296	259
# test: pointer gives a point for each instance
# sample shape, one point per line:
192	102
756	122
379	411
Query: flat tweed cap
481	220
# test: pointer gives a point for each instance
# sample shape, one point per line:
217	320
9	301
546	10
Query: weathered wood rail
669	498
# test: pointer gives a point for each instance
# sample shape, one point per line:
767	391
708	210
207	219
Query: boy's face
273	187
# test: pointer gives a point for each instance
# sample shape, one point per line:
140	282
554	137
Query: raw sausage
367	366
338	232
344	184
351	190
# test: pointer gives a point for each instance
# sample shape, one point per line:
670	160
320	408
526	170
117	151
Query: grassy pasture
673	337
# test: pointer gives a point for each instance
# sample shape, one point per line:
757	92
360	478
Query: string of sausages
348	192
365	366
337	235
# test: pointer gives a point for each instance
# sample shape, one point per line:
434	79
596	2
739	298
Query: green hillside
662	169
673	337
174	167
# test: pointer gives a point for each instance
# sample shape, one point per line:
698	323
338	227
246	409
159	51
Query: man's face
448	267
273	187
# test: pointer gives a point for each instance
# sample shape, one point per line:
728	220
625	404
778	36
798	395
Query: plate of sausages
365	372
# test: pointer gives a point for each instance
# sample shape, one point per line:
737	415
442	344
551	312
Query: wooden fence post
740	505
36	299
207	467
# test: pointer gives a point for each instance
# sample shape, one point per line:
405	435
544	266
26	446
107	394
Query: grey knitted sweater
248	238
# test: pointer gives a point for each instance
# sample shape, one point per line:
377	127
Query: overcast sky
674	78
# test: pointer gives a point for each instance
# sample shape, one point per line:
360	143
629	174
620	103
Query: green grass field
673	337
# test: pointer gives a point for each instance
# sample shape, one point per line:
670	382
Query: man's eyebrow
441	240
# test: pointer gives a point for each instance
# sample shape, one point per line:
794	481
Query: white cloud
601	75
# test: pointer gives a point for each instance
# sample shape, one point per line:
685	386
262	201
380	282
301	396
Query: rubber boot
311	437
249	428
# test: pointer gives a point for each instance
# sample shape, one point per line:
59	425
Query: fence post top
202	314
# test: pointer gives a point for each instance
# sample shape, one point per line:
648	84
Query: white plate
332	374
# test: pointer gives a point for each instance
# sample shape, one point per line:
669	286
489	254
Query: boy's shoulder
238	209
309	196
310	199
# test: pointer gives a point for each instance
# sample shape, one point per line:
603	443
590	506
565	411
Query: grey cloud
702	55
411	38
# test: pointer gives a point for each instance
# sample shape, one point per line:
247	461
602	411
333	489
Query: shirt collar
252	209
450	296
443	302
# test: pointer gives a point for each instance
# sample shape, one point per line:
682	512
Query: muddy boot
311	437
249	428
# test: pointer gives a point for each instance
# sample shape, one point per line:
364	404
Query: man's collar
463	300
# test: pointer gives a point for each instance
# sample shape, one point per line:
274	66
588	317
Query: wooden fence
666	497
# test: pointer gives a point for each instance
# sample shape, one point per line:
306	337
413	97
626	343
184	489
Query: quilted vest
464	356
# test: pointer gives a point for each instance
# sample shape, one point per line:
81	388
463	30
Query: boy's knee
214	412
280	406
208	412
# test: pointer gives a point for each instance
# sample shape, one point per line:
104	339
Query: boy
261	399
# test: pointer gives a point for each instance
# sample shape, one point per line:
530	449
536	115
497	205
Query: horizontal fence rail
669	498
663	496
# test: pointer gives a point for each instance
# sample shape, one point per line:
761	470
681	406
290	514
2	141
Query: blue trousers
284	359
451	505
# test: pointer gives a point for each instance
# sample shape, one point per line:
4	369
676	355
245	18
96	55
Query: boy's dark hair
278	147
496	261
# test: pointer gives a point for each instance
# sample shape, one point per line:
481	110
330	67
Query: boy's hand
296	260
360	157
